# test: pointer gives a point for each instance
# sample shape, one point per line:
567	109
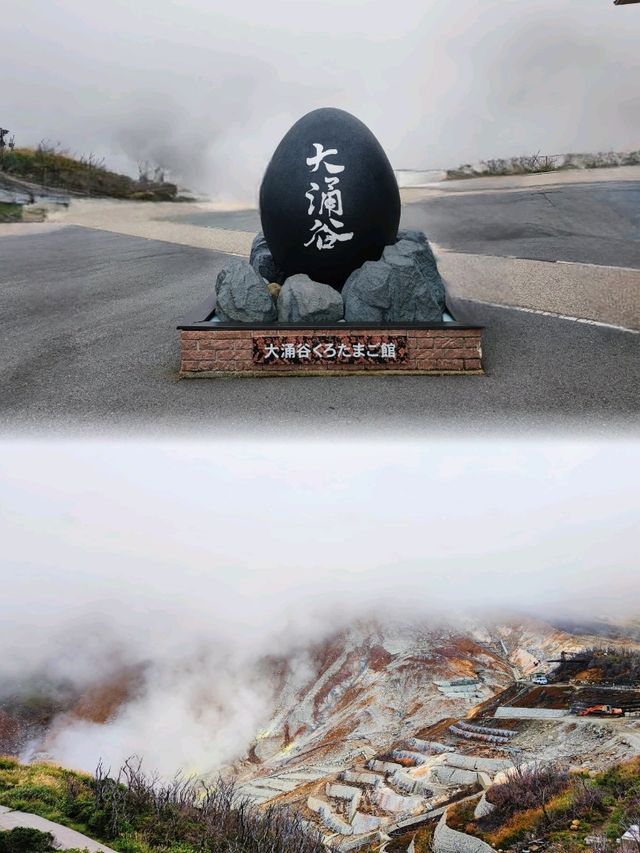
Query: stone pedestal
209	349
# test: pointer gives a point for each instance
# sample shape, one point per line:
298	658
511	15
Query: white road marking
597	266
551	314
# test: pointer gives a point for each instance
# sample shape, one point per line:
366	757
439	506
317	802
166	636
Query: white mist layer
207	89
193	563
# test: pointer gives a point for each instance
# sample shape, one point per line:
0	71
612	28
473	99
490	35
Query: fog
207	89
195	561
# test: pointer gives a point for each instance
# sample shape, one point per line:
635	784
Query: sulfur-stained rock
274	290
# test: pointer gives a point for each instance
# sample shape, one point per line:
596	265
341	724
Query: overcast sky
196	560
208	88
234	528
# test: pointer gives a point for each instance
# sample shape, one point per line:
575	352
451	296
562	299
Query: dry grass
51	166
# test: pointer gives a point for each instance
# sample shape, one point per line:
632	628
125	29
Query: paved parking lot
91	344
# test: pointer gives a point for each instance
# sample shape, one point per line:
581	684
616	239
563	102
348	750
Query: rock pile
403	286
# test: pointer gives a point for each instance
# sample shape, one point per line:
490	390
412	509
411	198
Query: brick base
212	349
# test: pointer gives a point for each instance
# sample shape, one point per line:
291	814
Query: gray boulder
302	300
409	234
242	296
403	286
262	261
424	257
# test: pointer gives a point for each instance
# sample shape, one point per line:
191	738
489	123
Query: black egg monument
330	283
329	199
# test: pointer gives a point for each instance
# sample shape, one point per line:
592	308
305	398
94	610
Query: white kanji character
343	351
331	202
388	351
319	157
359	350
288	351
312	199
330	240
272	351
304	351
329	351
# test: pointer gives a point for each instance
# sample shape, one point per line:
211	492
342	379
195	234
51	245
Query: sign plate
330	349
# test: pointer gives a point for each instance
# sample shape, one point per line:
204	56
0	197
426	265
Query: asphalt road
583	223
596	223
89	343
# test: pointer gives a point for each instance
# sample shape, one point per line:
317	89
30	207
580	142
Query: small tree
528	786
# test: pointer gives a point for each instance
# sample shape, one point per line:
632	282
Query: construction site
365	799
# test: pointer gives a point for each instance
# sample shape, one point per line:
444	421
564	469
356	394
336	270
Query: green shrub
23	839
10	212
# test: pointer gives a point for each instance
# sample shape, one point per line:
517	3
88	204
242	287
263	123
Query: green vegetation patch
51	166
134	813
538	163
545	802
10	212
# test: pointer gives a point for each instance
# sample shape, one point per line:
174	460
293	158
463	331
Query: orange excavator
601	711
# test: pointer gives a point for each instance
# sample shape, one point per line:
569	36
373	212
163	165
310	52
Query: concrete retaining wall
363	823
389	801
529	713
474	762
483	808
454	775
428	746
333	822
447	840
361	841
384	766
417	757
345	792
361	777
409	784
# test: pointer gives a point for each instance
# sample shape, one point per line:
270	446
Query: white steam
191	563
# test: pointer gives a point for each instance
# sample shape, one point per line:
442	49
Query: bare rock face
268	747
304	301
242	296
403	286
